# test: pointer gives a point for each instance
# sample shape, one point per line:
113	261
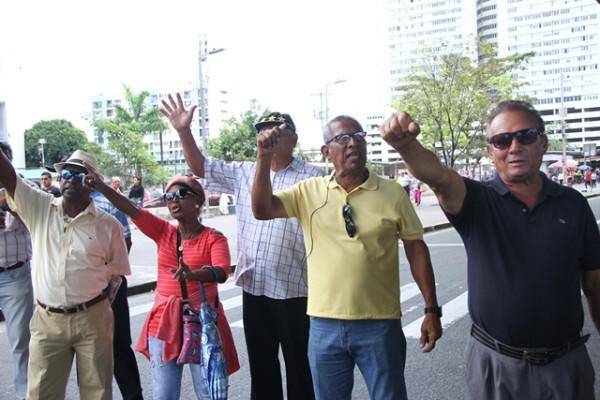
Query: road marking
445	245
407	292
452	311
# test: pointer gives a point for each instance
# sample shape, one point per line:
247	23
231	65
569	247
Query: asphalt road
438	375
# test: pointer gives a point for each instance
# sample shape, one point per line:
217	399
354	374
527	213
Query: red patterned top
164	319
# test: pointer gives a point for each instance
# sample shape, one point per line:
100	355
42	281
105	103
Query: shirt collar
372	182
90	209
549	188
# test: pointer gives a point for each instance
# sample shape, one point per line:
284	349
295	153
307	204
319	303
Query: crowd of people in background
318	264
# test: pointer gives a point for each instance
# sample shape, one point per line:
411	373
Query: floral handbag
192	328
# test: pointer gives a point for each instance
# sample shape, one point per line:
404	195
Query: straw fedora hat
79	158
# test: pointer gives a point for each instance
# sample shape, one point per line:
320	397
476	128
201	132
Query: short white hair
115	178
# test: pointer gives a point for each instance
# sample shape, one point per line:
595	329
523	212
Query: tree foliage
237	140
450	96
125	136
62	138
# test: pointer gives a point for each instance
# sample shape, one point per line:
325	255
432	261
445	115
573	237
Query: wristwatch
433	310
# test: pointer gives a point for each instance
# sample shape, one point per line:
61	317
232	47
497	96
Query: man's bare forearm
262	190
418	257
192	154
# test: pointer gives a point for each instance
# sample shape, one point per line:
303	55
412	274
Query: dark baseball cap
275	118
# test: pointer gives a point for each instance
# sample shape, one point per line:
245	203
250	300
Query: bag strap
182	283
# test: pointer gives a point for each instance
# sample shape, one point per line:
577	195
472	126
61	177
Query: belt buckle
538	358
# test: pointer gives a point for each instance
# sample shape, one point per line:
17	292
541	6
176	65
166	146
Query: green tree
125	136
451	95
237	140
62	138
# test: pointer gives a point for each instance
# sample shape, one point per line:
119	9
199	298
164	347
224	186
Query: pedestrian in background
125	367
352	221
271	265
205	258
136	191
77	250
532	246
115	182
47	186
16	292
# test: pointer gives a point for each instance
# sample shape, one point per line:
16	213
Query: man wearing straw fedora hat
76	251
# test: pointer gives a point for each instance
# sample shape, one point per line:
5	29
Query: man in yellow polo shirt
352	221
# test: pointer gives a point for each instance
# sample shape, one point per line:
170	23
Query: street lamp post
42	142
202	56
338	81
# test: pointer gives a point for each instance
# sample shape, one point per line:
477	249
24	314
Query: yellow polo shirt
358	277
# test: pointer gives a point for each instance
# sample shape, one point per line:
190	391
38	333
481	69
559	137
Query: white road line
407	292
445	245
452	311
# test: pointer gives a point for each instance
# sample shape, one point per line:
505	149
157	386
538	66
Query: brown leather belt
539	356
14	266
73	309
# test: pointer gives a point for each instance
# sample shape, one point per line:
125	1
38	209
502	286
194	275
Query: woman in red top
205	258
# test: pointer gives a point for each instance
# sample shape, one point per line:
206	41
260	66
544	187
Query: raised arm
418	257
400	132
264	204
181	120
94	180
8	176
591	289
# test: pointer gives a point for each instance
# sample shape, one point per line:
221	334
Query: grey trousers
493	376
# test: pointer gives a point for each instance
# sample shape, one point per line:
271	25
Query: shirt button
524	210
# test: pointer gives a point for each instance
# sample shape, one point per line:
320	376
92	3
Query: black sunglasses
350	225
178	194
502	141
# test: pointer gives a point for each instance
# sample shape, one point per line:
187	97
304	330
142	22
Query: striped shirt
271	255
103	204
15	243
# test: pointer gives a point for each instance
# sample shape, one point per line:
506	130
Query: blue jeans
166	376
378	347
16	302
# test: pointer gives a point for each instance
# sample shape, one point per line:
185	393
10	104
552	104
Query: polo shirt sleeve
410	227
289	198
221	176
118	258
31	204
590	259
472	198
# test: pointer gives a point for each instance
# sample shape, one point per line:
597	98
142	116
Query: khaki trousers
56	338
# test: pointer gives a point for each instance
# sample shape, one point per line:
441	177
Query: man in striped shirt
271	265
16	292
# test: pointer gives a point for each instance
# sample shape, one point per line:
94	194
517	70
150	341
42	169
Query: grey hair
327	134
518	106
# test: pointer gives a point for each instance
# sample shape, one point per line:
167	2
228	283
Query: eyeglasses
178	194
503	141
66	175
350	225
345	138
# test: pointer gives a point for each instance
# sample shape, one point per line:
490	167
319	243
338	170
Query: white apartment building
103	107
565	36
441	26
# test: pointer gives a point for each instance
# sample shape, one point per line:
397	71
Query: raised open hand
176	113
399	129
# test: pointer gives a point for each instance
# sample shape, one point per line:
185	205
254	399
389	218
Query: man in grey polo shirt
271	265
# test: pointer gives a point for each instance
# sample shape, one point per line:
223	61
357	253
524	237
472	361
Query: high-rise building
563	34
165	147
